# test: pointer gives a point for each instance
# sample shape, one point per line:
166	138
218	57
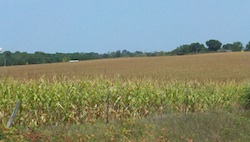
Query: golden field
211	67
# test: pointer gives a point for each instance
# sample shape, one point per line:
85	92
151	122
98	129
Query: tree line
211	46
7	58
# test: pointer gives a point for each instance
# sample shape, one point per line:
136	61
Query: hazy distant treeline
22	58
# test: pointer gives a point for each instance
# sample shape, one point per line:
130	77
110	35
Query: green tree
181	50
237	46
112	55
19	58
39	57
213	45
118	53
248	46
7	58
187	49
138	54
227	46
125	53
197	47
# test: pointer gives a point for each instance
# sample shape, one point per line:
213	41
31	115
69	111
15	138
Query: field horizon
232	66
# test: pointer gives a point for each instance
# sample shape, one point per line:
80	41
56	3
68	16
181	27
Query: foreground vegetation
179	127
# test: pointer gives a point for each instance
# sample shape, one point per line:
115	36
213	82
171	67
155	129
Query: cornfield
76	101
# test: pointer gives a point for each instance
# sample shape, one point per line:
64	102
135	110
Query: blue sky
109	25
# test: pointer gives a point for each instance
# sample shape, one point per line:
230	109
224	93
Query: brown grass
214	67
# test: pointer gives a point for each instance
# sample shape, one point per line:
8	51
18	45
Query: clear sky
109	25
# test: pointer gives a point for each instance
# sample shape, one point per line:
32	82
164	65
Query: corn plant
67	101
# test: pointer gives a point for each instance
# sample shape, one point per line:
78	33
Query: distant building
224	50
73	61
